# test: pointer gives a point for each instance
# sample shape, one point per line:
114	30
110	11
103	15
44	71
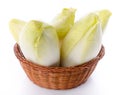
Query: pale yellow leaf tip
15	27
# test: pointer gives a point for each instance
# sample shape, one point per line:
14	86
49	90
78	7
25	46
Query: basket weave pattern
57	77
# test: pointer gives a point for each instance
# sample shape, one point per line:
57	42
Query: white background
105	80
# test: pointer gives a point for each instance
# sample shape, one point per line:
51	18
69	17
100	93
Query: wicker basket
57	77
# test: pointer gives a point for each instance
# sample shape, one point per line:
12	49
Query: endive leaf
39	43
64	21
16	26
104	16
83	42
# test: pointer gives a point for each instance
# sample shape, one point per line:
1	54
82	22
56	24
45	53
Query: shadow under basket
58	77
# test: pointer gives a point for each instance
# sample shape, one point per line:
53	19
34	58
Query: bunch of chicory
64	41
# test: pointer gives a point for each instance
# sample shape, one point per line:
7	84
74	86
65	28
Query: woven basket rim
21	58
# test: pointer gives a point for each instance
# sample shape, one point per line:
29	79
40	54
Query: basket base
56	88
